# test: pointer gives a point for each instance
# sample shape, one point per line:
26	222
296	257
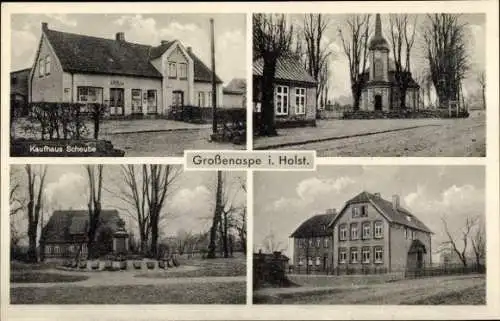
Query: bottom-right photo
385	234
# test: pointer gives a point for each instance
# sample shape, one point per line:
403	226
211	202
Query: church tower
378	54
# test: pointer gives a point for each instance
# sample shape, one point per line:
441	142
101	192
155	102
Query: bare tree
36	185
482	82
478	242
355	44
272	39
94	176
464	237
402	40
446	52
317	54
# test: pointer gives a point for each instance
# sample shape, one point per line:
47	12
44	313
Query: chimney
377	195
45	26
395	202
120	36
164	42
331	211
189	49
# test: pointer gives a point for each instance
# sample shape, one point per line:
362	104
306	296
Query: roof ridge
101	38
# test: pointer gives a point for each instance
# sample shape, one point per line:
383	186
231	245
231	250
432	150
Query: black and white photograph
127	84
384	235
386	85
126	234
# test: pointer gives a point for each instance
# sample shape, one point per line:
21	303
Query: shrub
161	264
123	265
95	265
150	265
137	265
83	264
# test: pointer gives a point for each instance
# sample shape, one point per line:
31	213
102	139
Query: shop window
281	100
182	70
136	101
89	94
300	100
172	70
152	101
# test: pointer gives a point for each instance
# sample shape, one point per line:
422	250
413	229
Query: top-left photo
115	85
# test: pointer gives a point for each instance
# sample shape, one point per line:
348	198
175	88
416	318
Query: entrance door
178	98
420	261
116	101
378	102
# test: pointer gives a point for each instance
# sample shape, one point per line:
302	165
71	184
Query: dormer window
172	70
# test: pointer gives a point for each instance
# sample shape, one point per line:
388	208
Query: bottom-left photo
126	234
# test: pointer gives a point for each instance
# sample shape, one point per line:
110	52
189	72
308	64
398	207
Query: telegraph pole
214	85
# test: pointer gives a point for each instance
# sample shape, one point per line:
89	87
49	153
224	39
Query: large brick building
131	78
368	235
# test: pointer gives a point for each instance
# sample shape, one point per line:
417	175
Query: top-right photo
370	85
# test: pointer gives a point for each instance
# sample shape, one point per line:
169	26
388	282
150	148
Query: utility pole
214	85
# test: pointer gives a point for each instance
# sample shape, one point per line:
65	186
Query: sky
339	79
191	29
189	204
283	200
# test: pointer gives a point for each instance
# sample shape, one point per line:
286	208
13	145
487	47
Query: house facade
368	235
66	232
19	91
313	243
380	90
132	79
294	91
235	93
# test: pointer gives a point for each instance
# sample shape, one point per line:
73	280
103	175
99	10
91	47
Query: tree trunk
356	95
216	219
268	126
154	237
225	236
32	251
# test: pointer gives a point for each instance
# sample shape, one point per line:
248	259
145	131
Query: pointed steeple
378	41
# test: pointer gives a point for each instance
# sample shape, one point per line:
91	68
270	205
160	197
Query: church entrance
378	102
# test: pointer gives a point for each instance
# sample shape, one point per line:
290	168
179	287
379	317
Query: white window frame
379	251
318	261
352	252
355	212
366	227
343	232
98	94
309	261
201	99
355	225
378	226
48	61
133	100
172	69
41	67
301	260
325	242
342	255
311	242
406	233
366	255
300	101
208	103
318	242
280	95
182	70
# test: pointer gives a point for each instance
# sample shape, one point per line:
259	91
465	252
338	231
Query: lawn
199	293
471	296
39	277
207	267
21	266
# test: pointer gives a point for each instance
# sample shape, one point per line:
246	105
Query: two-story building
131	78
313	243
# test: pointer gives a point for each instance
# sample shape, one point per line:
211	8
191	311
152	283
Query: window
354	255
201	99
300	243
355	212
366	255
177	98
342	255
366	230
343	232
84	248
41	67
379	229
47	65
301	260
136	101
379	254
325	242
364	210
412	234
48	249
406	233
318	261
152	107
182	70
208	103
311	242
172	70
89	94
281	100
318	242
57	250
309	261
354	231
300	100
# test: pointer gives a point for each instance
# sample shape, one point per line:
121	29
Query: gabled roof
64	225
26	70
400	216
287	68
314	226
87	54
236	86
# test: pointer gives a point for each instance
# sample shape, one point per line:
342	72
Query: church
380	88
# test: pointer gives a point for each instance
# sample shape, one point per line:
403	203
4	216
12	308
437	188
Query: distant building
66	231
294	91
19	87
131	78
380	89
235	93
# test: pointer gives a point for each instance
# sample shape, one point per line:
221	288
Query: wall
313	251
47	88
233	100
177	56
111	81
346	218
206	87
400	247
368	98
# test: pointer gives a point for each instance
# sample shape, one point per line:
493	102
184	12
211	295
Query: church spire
378	41
378	26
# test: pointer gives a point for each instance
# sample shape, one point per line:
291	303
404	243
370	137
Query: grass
21	266
471	296
37	277
196	293
207	267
